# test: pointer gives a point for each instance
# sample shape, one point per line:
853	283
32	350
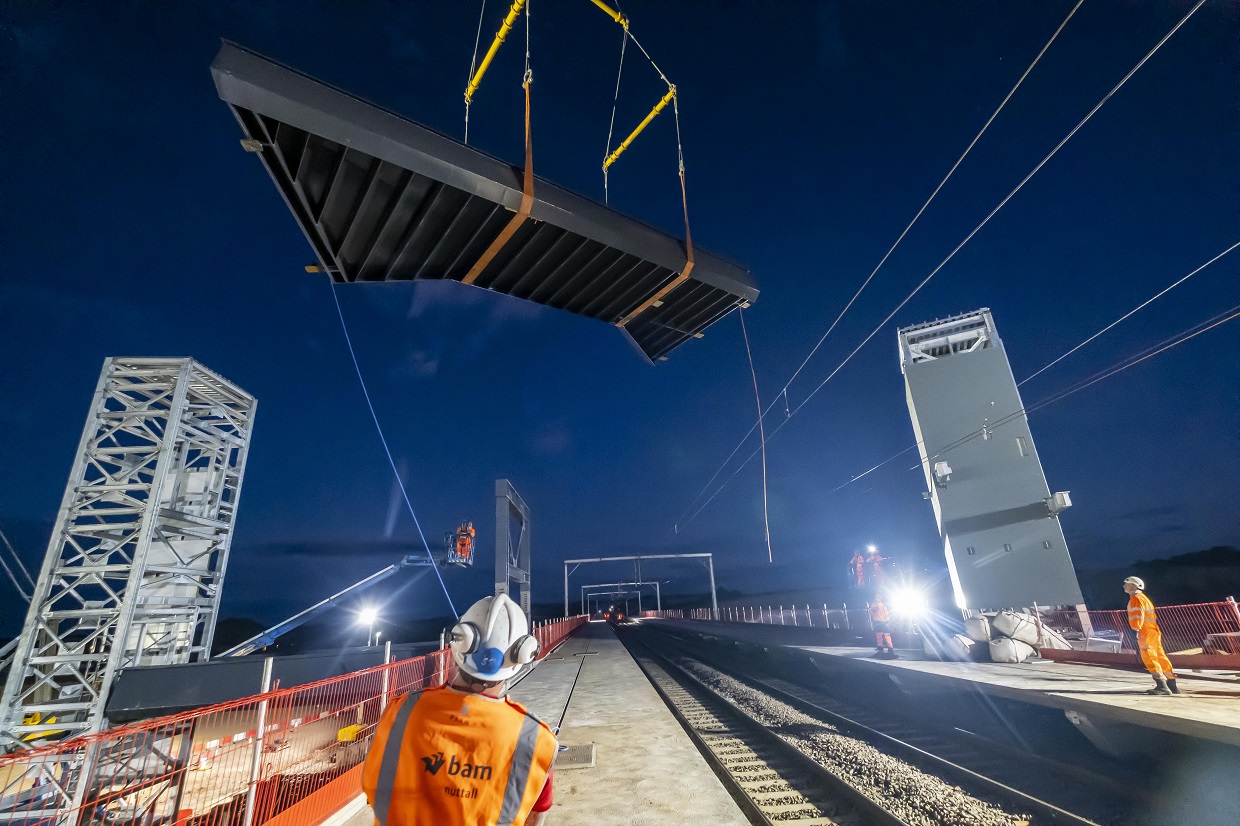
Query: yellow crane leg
612	13
658	107
504	29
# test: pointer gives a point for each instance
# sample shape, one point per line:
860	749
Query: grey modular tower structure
996	515
137	557
512	560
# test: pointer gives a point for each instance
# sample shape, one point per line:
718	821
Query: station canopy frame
381	198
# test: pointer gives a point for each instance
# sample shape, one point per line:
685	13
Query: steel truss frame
136	562
658	596
512	564
710	567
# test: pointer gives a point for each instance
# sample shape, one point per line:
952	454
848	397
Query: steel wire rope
766	513
1083	343
624	42
952	254
388	451
473	64
890	250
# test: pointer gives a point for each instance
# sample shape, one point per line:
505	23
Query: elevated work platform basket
381	198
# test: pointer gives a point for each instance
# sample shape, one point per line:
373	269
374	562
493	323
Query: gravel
919	798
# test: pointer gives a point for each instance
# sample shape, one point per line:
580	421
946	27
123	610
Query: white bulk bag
1008	650
1017	626
977	628
956	648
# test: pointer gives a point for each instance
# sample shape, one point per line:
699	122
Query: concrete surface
647	772
1208	708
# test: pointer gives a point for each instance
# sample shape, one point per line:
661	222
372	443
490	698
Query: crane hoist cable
527	184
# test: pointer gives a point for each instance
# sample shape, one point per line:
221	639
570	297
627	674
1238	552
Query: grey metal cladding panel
249	81
1029	573
952	398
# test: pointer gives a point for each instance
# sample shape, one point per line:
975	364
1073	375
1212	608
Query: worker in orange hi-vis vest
858	567
464	754
879	620
1141	618
465	540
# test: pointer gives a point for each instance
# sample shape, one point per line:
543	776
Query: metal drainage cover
576	757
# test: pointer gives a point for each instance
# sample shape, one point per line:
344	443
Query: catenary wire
890	250
1110	326
1118	367
1130	313
387	450
953	253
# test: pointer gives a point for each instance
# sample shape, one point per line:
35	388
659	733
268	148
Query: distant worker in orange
880	621
858	567
463	754
465	540
1141	618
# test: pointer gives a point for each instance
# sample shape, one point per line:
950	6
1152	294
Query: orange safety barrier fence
1201	635
288	757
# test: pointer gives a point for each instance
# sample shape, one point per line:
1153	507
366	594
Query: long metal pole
714	603
387	675
566	589
658	598
256	766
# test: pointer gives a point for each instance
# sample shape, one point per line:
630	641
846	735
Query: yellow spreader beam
658	107
504	29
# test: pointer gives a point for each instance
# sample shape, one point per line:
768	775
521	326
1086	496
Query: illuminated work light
909	602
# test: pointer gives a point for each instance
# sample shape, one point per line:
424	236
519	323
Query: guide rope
766	513
388	451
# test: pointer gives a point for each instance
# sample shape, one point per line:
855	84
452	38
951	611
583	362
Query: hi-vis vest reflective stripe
457	759
1141	613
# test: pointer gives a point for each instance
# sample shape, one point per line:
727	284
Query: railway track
771	781
884	779
1095	796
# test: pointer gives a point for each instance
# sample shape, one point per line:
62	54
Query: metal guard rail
197	768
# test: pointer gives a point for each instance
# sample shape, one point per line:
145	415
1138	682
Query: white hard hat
491	641
1135	580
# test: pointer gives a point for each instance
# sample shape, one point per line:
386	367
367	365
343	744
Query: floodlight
872	548
367	616
909	602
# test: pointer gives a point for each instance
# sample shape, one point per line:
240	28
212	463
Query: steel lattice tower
136	561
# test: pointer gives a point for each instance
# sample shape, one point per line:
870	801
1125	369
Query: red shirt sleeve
543	803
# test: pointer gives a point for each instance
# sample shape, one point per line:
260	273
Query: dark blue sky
134	224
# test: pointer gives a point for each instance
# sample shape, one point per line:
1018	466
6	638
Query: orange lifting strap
684	274
523	212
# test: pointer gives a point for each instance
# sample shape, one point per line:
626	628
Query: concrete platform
1108	705
646	770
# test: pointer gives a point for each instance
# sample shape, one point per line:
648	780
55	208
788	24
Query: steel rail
906	750
680	689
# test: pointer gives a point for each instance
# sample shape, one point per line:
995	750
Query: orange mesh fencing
1202	628
288	757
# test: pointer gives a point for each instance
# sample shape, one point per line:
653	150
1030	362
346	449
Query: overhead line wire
1130	313
1110	326
387	450
1118	367
890	250
960	246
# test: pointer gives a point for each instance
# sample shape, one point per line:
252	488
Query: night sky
134	225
